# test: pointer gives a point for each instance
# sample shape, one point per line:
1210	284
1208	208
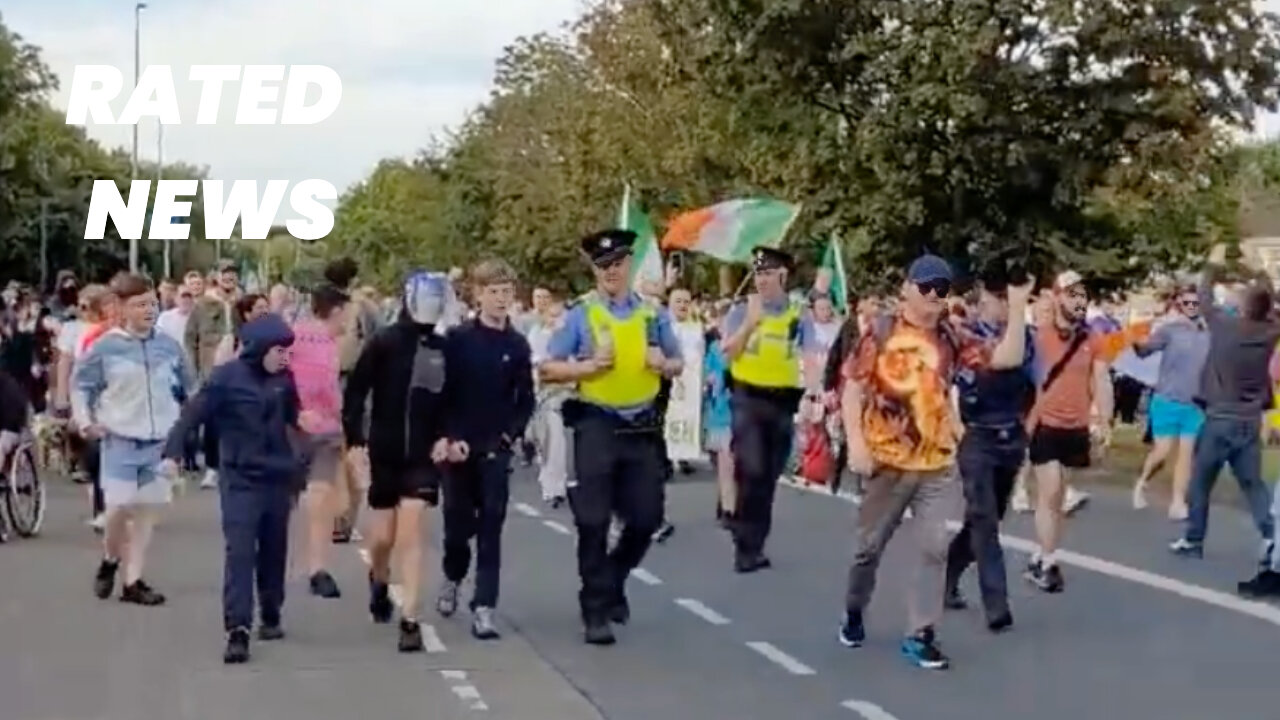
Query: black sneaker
922	651
104	583
323	585
268	633
379	601
410	636
751	563
664	532
1000	623
620	613
556	502
140	593
852	632
953	600
1046	577
598	632
1265	584
237	651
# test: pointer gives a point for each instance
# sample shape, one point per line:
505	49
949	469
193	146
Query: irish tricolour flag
730	230
646	261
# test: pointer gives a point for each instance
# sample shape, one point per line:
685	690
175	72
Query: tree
47	169
983	129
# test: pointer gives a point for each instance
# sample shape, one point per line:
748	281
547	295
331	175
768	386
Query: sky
411	69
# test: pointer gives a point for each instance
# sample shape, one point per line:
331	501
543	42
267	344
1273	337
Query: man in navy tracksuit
251	405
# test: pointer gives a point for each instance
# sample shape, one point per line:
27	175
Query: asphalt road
1145	635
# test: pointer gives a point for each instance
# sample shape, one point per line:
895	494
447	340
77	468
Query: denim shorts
130	472
1172	418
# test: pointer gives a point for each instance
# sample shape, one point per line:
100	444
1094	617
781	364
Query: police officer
764	336
617	348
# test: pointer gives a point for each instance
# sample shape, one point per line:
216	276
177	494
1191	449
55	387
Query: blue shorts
1172	418
129	472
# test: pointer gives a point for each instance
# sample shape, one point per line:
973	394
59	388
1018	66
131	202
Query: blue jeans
1236	442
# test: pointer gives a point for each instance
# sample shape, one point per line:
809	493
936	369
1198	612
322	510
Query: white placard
684	413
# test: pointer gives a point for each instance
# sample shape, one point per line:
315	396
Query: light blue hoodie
132	386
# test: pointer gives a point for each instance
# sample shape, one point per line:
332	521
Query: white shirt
173	322
69	337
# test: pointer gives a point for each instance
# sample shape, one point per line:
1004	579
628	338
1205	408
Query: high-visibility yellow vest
770	359
629	382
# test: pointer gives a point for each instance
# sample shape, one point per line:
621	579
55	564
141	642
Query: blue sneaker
1185	548
852	633
921	650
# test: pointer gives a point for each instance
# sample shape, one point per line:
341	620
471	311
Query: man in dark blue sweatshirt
489	400
251	405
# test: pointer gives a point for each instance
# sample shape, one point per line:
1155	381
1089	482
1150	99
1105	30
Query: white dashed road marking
868	710
788	663
646	577
702	611
527	510
1261	611
558	527
465	691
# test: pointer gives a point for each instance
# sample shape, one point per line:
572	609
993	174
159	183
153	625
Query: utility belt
787	399
576	412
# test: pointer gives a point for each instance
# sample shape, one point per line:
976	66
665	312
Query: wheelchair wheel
24	498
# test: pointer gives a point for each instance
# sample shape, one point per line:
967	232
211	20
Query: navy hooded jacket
251	411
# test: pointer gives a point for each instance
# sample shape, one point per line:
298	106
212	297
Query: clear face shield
427	296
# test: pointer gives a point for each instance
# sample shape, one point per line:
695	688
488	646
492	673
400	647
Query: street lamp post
133	165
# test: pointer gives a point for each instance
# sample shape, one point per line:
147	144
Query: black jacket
251	411
490	395
404	422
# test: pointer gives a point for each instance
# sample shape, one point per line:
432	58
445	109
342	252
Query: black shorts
389	483
1066	446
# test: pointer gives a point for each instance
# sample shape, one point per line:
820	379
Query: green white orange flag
831	276
646	260
730	230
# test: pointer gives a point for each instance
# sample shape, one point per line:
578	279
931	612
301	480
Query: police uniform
617	447
767	388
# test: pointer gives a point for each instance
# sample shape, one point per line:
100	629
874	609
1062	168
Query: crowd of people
930	404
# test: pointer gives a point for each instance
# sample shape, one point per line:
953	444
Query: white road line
646	577
527	510
1261	611
702	611
788	663
558	527
470	693
868	710
430	639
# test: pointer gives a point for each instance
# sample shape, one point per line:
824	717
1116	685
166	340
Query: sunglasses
941	288
1190	303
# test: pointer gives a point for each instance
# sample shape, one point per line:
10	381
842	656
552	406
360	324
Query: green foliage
981	129
47	169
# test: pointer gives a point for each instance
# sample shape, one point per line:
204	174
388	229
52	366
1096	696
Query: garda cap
767	258
608	246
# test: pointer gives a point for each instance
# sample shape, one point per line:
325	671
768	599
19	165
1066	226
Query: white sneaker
98	522
1021	502
210	480
1074	501
1140	496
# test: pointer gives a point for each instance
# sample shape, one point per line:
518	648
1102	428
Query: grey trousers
934	498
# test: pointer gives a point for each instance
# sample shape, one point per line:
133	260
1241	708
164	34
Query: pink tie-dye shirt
314	361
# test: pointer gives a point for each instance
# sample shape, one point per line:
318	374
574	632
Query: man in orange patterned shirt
902	431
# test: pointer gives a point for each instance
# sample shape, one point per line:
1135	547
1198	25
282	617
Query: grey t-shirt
1236	382
1184	346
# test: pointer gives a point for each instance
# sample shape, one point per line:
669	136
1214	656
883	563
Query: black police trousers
619	469
989	460
763	431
